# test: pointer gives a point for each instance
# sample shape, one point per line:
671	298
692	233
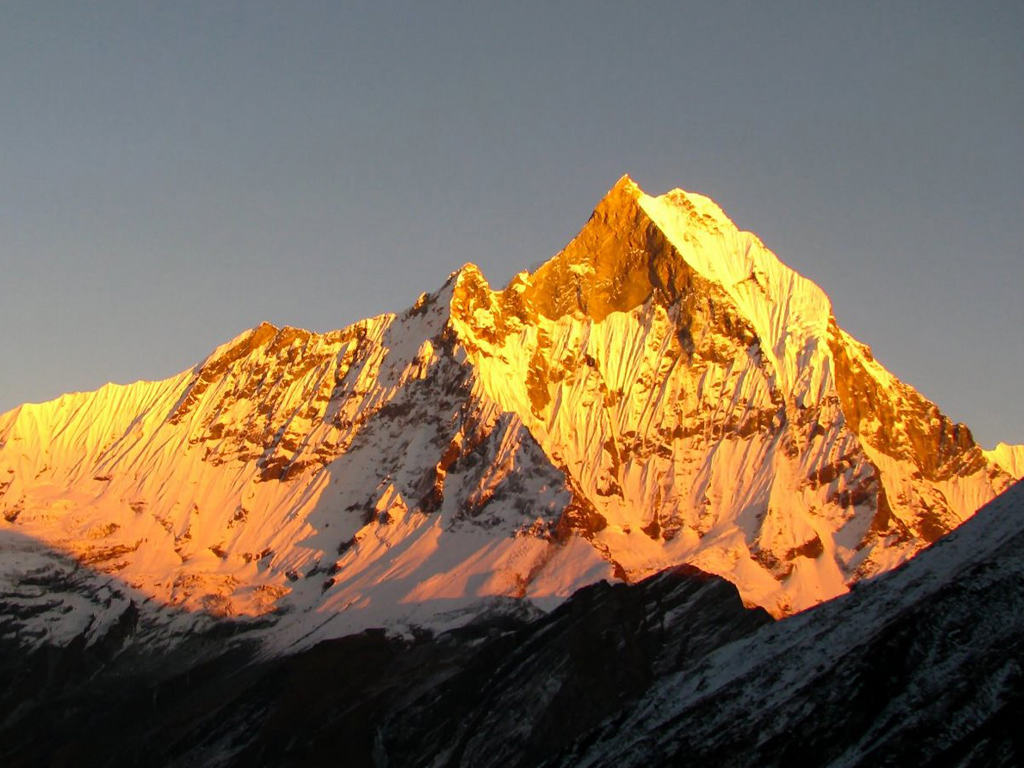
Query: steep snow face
789	313
662	391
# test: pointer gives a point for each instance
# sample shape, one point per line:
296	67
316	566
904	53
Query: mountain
663	391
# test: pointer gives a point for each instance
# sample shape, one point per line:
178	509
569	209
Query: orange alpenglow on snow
662	391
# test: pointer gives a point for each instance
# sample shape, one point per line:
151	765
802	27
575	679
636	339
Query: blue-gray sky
173	173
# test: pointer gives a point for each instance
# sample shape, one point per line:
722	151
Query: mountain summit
662	391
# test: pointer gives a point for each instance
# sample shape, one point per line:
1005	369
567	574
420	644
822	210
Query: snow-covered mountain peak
661	315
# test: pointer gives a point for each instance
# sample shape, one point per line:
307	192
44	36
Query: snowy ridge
662	391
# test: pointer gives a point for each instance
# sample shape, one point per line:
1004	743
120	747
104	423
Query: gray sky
173	173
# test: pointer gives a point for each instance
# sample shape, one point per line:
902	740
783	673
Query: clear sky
173	173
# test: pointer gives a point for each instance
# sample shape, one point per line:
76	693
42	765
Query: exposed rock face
663	391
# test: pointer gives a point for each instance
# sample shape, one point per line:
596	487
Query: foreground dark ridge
503	690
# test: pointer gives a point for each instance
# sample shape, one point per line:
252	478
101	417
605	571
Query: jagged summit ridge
636	247
663	390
